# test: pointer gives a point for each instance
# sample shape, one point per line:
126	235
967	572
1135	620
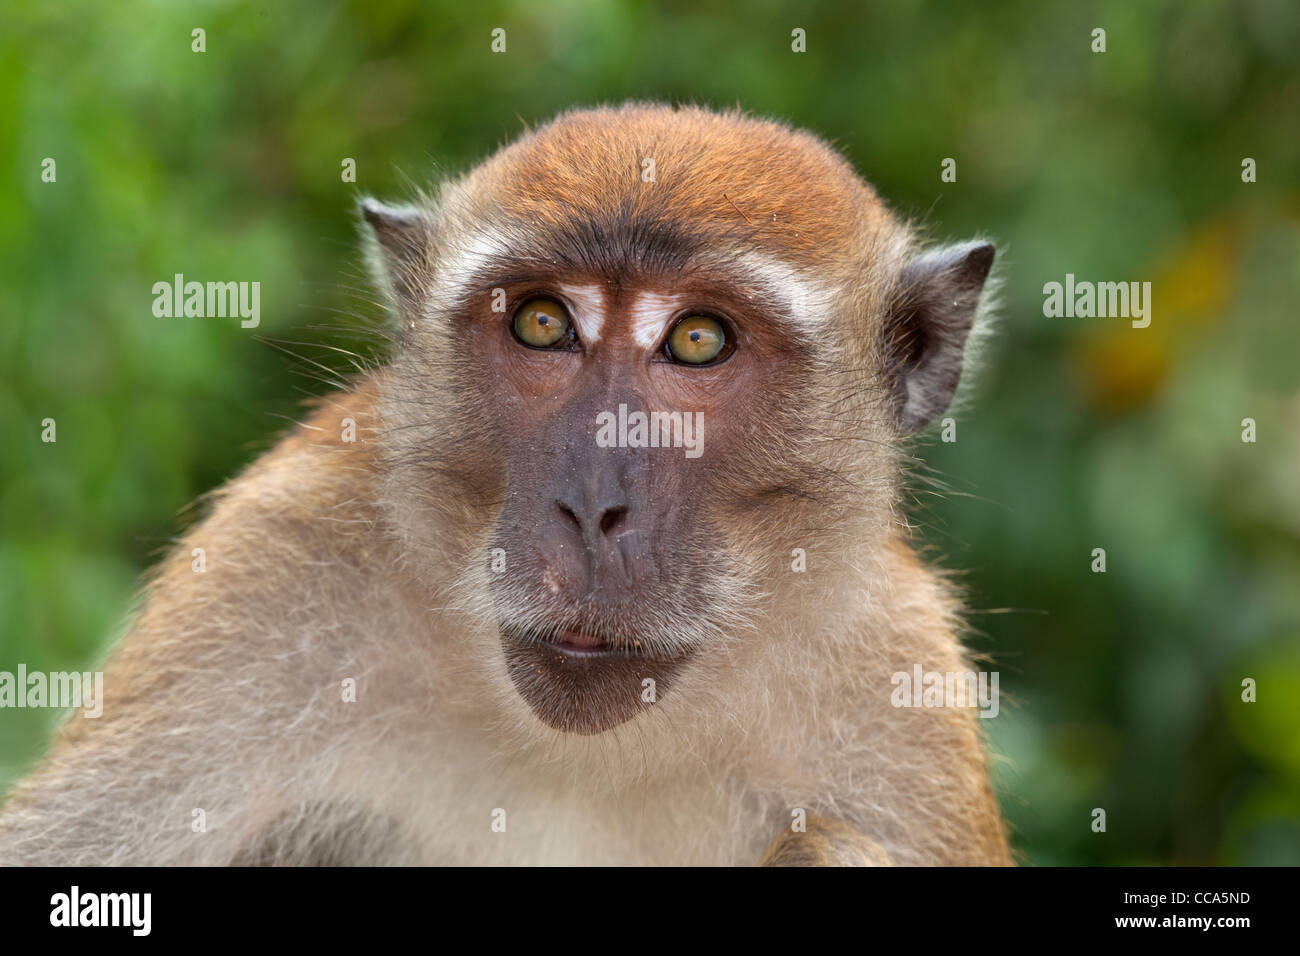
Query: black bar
970	905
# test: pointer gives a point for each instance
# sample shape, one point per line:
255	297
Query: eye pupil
695	336
542	324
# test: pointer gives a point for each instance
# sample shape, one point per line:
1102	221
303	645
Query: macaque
606	564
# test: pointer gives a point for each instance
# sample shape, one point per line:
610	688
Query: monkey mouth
583	682
580	644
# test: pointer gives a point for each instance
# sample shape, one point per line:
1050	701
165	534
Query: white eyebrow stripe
462	260
649	315
808	303
589	310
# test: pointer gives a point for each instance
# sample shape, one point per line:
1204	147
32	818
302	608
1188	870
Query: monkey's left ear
402	234
926	331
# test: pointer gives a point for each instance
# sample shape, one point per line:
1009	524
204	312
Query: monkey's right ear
925	334
401	234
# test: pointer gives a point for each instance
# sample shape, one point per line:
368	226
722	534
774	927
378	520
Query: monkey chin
578	683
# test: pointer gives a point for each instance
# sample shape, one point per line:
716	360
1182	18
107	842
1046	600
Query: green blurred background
1082	433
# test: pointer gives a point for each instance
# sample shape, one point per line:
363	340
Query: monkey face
645	354
622	414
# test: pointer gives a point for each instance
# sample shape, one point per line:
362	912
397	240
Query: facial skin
612	553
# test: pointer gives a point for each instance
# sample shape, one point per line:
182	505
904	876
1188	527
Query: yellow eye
697	340
542	324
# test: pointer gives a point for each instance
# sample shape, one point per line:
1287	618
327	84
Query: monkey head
645	354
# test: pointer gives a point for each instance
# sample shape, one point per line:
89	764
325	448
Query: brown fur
793	196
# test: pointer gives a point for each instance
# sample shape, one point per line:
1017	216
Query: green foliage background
1083	433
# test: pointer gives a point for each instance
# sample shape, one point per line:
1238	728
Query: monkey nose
594	523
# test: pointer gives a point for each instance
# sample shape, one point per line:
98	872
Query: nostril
570	514
611	519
